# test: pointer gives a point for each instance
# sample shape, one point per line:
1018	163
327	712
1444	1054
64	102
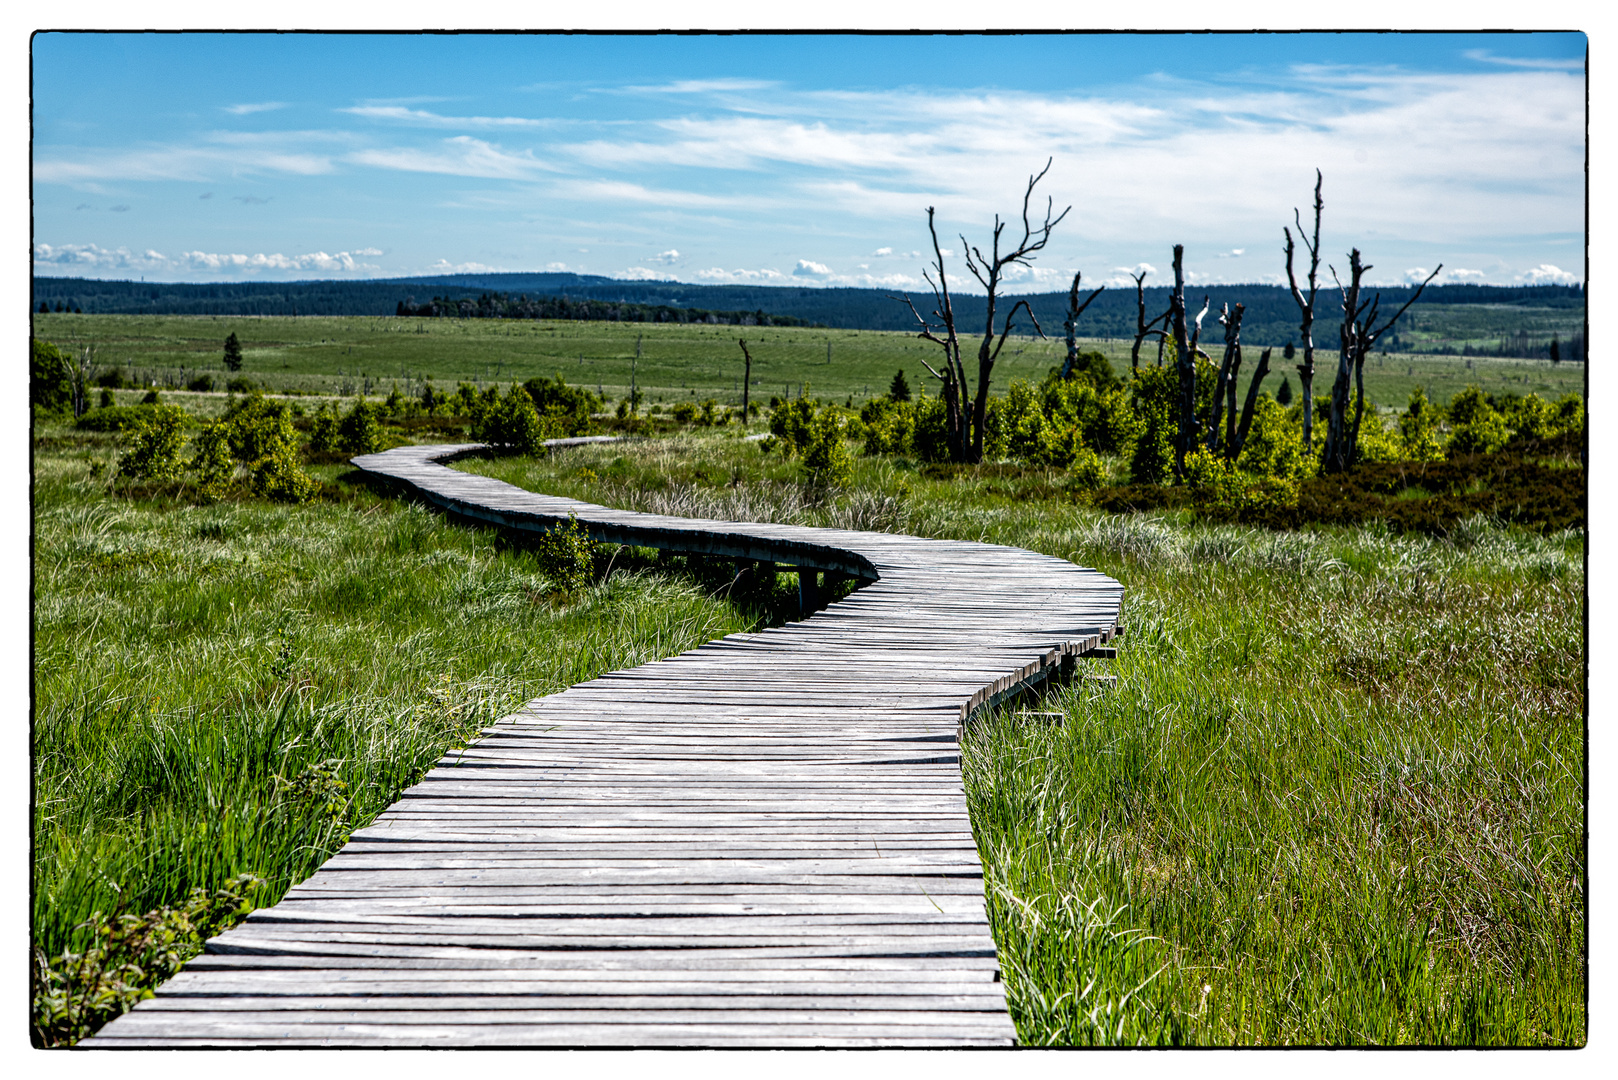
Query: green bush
50	384
118	418
1476	427
1274	445
1418	430
826	462
890	425
566	409
241	384
278	476
261	435
201	384
930	432
567	555
211	458
510	423
790	423
154	446
152	398
1153	395
685	413
359	431
324	431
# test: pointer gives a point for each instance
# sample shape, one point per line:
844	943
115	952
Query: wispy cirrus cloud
423	118
460	155
249	109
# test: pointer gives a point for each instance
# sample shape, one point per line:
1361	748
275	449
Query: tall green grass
232	688
1335	797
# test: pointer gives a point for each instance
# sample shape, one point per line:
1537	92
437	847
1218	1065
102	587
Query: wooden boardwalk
760	842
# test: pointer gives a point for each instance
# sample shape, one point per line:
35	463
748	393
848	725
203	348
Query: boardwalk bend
760	842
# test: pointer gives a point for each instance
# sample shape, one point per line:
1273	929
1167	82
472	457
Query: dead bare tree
1185	359
1356	338
966	423
1234	450
1229	366
1144	329
79	364
747	377
1306	309
1071	326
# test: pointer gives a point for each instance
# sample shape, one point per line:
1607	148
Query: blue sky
800	159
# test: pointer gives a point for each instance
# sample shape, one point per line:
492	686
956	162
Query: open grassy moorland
1335	797
341	355
229	685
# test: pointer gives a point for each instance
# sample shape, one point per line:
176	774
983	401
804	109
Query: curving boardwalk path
760	842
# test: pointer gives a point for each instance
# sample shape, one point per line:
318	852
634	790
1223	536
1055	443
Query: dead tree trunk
1306	309
1071	326
1228	366
1235	449
1144	329
747	377
966	424
1356	337
1185	346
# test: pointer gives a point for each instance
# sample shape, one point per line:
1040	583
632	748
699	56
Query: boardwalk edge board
761	842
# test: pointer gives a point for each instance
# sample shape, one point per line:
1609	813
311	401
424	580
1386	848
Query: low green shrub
123	418
826	462
154	446
75	993
202	384
360	432
567	554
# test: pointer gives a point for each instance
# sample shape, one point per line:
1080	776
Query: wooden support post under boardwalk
763	841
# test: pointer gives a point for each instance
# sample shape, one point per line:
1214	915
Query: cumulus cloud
720	276
643	273
444	266
881	251
665	258
558	268
1416	274
1233	253
1546	274
810	269
1459	274
342	262
92	257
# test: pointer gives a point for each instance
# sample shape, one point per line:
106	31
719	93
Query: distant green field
346	355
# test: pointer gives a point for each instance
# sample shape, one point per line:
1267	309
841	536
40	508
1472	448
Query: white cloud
444	266
1546	274
422	118
881	251
1536	63
199	163
1459	274
643	273
807	268
263	106
94	257
721	276
701	86
1416	274
558	268
666	258
1125	275
340	262
461	155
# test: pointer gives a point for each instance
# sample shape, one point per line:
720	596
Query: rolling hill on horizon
1271	317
